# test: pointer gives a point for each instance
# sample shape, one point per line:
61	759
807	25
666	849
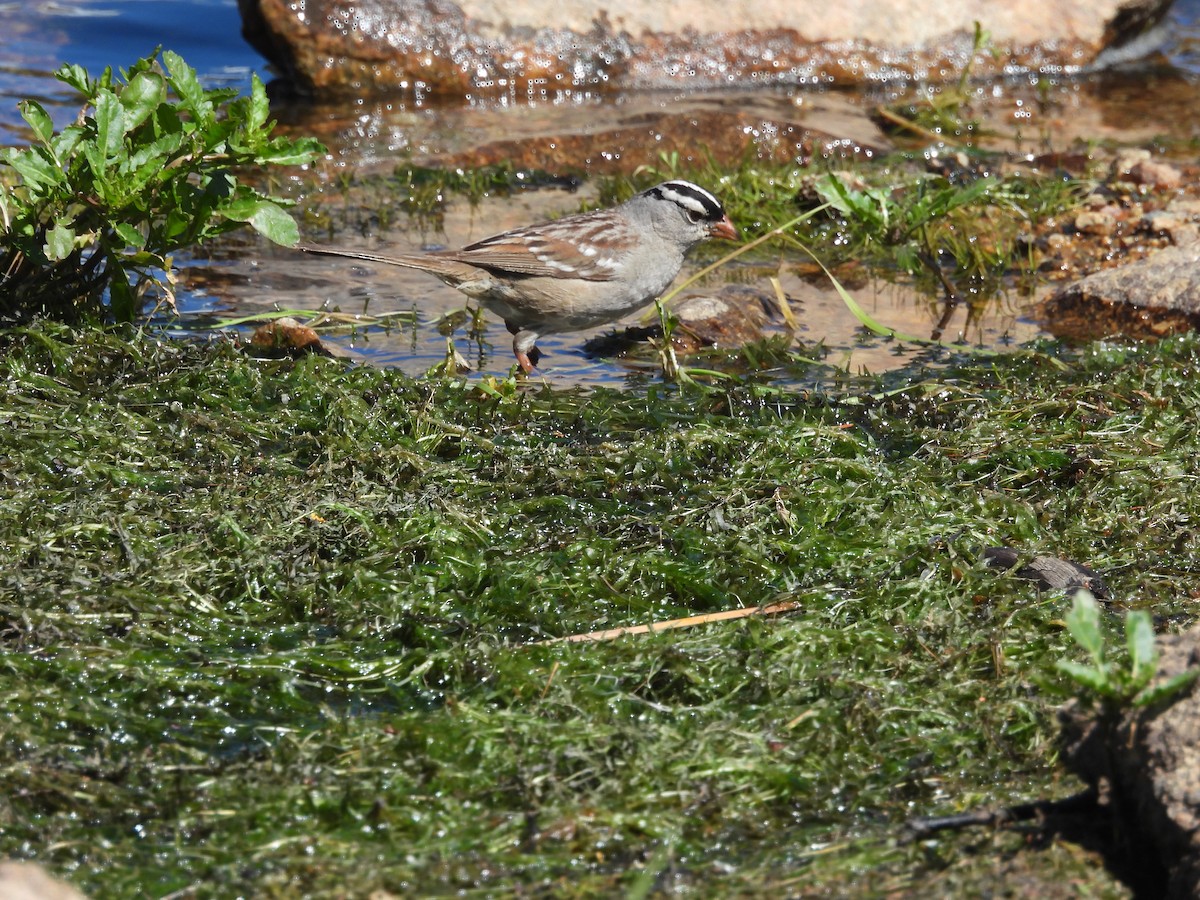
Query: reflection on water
1157	99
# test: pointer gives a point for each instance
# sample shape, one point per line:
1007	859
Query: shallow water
41	36
1155	99
279	277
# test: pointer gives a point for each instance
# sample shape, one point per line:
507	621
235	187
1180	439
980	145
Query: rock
1147	299
1095	221
1137	166
1146	762
287	337
29	881
1155	174
724	135
1049	572
1179	221
736	316
1176	224
733	317
486	49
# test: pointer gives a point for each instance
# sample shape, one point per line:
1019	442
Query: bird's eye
694	215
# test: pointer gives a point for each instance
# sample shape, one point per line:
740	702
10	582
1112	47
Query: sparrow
576	272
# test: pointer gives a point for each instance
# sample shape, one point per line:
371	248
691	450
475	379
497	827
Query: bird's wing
582	247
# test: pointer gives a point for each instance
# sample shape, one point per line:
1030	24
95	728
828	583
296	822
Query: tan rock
1146	299
883	22
29	881
288	337
1145	764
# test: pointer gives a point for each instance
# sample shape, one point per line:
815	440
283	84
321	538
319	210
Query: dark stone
1049	572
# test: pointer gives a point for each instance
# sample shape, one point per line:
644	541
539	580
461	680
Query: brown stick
611	634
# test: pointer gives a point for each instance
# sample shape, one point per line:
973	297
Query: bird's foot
528	359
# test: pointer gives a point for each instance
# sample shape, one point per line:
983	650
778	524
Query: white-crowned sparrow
578	271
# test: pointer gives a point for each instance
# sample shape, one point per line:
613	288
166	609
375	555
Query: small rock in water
735	316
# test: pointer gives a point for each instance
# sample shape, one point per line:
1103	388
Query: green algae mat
280	629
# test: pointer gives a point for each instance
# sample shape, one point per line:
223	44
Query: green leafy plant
961	239
1118	685
923	222
146	168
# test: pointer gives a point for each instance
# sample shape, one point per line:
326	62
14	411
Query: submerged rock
733	317
484	49
724	135
288	337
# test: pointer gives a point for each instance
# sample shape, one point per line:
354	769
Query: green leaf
60	242
105	81
75	76
132	236
110	124
148	162
260	106
1168	688
267	218
64	143
1083	621
288	152
97	164
833	190
1095	679
188	88
167	121
121	295
145	64
38	119
141	97
1143	652
35	167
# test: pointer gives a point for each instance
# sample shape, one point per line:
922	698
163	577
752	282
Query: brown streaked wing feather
534	251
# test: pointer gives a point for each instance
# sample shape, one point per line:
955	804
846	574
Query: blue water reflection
42	36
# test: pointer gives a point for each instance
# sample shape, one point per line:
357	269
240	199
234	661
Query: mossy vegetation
293	628
275	628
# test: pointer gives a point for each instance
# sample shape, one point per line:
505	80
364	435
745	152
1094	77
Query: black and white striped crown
691	197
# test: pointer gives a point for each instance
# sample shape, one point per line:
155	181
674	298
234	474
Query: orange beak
723	229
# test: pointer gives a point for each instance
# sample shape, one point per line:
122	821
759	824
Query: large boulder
492	49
